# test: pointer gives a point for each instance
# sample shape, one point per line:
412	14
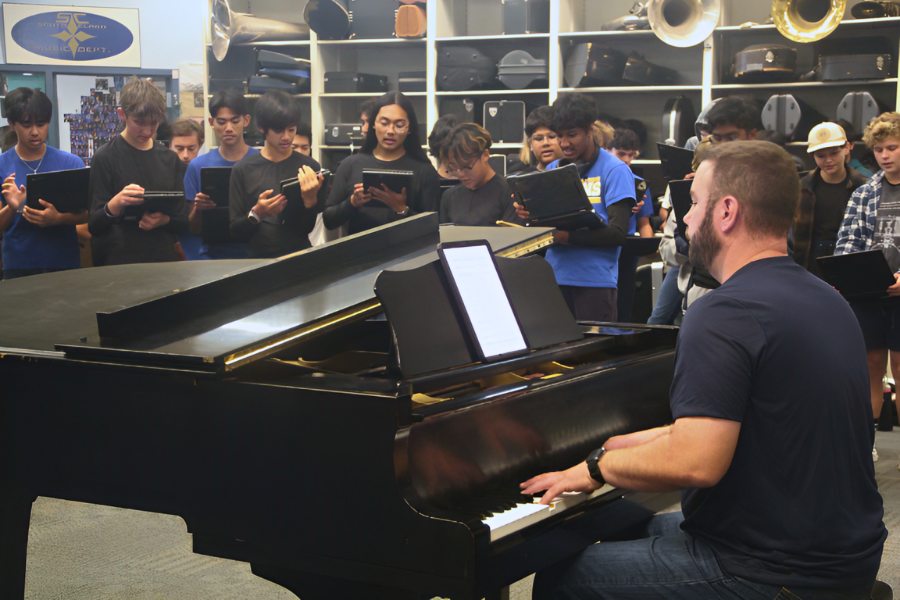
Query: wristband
593	464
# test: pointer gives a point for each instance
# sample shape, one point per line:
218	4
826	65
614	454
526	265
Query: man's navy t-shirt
778	350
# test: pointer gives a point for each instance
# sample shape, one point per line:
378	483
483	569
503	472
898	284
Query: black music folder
858	275
214	182
68	190
675	162
394	180
680	195
165	202
290	188
555	198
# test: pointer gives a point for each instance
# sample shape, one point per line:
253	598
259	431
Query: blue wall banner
39	34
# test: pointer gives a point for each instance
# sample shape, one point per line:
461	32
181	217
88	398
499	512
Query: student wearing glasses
733	119
392	143
542	144
482	196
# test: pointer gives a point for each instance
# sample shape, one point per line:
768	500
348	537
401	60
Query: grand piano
264	403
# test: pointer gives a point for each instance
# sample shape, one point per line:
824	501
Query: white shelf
844	25
494	38
634	88
492	92
282	43
257	96
602	34
508	145
374	42
804	84
371	94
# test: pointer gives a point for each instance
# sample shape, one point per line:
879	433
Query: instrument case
590	65
855	66
217	84
498	163
637	70
467	110
412	81
330	19
337	82
526	16
284	67
505	121
411	21
519	69
372	19
461	68
260	84
859	108
342	134
789	116
765	63
678	121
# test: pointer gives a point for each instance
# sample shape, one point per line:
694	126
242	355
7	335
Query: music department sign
39	34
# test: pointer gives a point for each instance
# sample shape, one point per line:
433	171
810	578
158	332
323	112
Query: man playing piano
772	430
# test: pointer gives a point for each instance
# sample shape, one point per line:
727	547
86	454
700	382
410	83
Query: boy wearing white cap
871	221
825	192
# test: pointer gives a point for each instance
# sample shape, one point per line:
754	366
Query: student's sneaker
875	456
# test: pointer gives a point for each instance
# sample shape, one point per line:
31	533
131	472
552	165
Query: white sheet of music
484	300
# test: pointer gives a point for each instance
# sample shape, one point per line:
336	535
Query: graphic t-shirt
887	231
606	182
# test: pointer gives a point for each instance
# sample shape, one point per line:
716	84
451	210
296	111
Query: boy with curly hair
870	222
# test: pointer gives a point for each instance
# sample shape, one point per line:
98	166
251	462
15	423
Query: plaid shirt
858	229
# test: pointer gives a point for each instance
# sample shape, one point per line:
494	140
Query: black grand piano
265	403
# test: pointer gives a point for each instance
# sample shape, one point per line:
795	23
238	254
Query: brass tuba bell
683	23
807	20
228	27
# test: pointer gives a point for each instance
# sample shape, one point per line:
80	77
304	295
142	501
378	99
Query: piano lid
218	315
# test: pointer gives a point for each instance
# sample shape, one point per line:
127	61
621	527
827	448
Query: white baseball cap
826	135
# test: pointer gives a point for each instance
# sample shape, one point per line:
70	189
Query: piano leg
15	518
313	587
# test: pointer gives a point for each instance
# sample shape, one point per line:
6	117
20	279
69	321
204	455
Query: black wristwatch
594	466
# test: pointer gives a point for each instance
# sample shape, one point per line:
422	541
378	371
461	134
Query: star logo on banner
72	36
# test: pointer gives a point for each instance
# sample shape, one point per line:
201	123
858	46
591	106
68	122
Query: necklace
34	170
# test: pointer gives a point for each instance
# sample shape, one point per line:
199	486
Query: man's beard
705	246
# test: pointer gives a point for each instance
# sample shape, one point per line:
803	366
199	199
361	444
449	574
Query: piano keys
236	393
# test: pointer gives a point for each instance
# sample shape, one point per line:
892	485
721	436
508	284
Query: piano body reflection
257	401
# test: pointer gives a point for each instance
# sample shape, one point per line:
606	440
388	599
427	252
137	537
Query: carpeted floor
88	552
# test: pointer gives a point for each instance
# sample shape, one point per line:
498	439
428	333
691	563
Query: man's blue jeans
668	302
668	563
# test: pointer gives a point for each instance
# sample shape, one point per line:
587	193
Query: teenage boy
824	194
870	222
482	197
187	138
260	214
586	261
228	117
34	241
121	171
303	139
626	147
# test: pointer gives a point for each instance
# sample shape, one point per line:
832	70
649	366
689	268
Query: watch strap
593	464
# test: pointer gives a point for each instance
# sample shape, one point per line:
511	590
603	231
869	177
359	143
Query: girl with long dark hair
392	143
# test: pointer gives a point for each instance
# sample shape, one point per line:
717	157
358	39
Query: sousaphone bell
683	23
807	20
229	28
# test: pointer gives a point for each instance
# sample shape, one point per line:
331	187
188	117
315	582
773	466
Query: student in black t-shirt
270	223
131	163
482	197
392	143
825	192
438	137
772	422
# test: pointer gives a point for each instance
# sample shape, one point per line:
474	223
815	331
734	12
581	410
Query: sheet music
485	301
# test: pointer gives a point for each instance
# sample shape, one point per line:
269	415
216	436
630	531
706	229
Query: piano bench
882	591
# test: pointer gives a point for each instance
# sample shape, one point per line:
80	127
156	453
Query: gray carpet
87	552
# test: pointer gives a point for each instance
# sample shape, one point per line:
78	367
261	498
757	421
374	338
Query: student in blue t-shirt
34	241
586	261
228	118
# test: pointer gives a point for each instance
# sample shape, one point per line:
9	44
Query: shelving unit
479	23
